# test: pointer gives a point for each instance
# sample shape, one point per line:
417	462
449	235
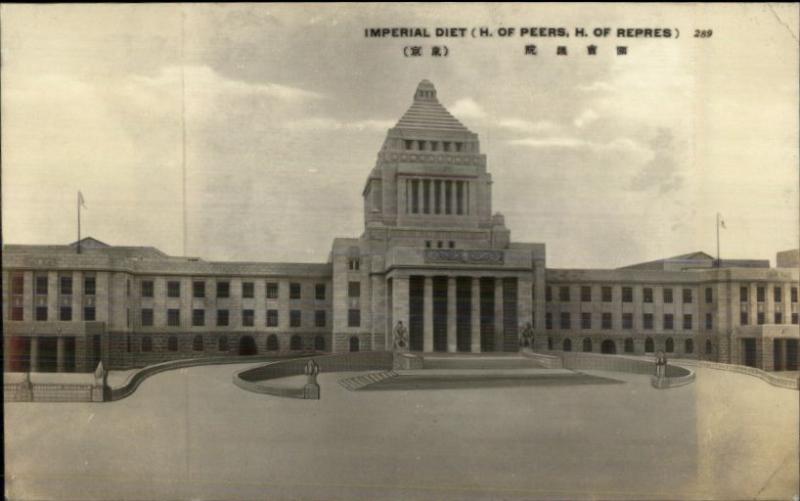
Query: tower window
452	244
446	145
409	144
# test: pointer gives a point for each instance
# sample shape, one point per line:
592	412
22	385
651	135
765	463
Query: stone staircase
358	382
485	362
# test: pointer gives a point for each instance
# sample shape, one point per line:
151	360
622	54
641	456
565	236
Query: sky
279	112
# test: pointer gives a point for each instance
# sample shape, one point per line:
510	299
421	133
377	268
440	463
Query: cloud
662	173
329	124
527	126
617	145
596	86
467	108
588	116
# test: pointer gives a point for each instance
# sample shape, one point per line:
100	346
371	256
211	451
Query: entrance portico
458	311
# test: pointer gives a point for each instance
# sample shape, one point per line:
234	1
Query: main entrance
247	346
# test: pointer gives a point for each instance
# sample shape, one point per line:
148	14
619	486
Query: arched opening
272	343
147	344
587	345
669	345
197	343
566	345
247	346
319	343
549	343
223	343
354	344
608	347
172	343
649	345
688	346
709	347
629	345
296	343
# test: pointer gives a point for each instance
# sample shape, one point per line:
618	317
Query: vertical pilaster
475	313
428	315
34	355
451	314
400	297
60	354
499	331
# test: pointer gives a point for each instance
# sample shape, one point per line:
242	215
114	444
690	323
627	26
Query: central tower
431	176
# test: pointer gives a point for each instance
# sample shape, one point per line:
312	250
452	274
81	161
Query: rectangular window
605	292
426	196
795	318
199	289
709	295
647	295
709	321
687	296
743	320
319	292
147	317
687	322
760	294
248	290
627	320
248	318
173	288
586	294
353	317
17	313
448	193
89	314
41	286
605	321
174	317
760	318
548	294
147	288
667	295
354	289
414	196
777	294
548	320
295	318
627	294
586	320
223	289
272	290
669	321
198	317
89	286
223	318
272	318
66	286
778	317
294	291
794	294
18	285
744	294
565	320
563	294
319	318
41	313
647	320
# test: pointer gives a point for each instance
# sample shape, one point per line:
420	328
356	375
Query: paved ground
192	434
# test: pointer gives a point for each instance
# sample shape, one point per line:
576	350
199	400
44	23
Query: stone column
475	310
400	295
453	195
498	314
451	315
428	316
34	355
60	354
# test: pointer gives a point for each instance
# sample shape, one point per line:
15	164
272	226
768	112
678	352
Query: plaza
190	433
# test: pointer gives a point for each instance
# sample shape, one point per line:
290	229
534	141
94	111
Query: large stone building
433	256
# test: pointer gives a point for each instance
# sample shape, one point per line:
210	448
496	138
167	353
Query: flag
81	201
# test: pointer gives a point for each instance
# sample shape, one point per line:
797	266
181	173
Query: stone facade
433	256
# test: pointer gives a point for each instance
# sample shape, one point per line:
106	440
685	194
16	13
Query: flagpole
79	222
718	262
